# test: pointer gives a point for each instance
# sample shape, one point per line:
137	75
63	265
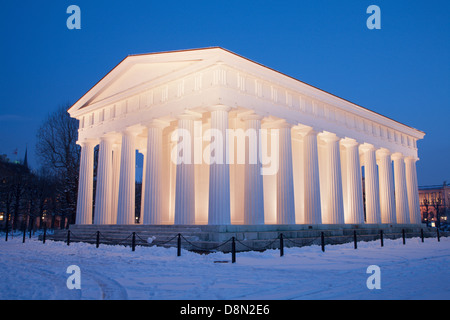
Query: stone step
242	228
133	229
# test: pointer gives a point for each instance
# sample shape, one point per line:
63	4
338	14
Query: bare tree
14	181
57	149
41	196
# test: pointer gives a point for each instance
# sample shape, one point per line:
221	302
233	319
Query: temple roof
139	71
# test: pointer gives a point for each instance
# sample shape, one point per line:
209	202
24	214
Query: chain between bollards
281	239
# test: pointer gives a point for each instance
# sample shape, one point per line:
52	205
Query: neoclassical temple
336	162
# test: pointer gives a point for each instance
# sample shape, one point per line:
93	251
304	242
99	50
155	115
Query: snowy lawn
38	271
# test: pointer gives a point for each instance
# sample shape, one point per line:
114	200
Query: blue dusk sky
401	71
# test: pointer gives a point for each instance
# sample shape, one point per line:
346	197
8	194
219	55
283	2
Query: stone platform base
247	237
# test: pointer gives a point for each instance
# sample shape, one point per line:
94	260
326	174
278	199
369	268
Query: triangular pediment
138	70
136	75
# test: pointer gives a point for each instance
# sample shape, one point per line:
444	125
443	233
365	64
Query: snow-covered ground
38	271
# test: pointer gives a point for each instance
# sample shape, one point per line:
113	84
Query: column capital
397	156
189	115
219	107
109	137
281	124
411	159
367	147
307	131
132	131
156	123
328	137
88	143
383	152
349	142
250	116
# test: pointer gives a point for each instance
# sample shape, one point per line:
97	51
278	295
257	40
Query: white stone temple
305	156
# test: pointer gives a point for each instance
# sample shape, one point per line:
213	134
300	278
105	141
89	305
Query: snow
34	270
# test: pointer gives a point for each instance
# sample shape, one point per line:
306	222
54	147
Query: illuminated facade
435	204
170	105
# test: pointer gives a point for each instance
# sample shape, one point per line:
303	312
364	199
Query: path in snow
38	271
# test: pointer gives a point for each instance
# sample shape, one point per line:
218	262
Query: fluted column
185	172
253	189
219	170
372	186
401	194
104	182
413	190
143	183
387	201
355	206
115	181
152	213
285	179
312	205
333	212
126	202
85	183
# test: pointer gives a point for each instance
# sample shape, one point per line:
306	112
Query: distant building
435	204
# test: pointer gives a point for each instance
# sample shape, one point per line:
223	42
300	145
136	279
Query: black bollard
179	245
403	236
355	240
68	237
97	243
233	250
322	241
281	245
7	227
31	227
438	236
45	234
133	242
381	238
421	235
